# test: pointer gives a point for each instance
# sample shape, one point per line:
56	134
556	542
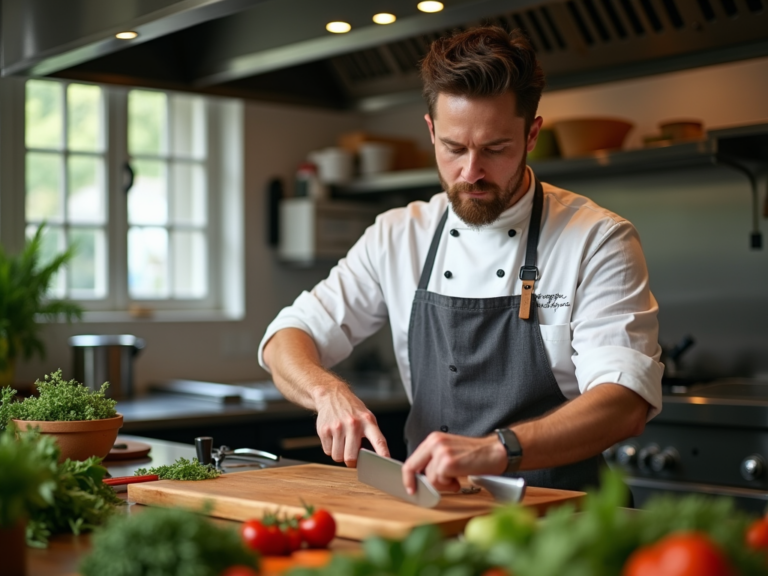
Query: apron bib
477	364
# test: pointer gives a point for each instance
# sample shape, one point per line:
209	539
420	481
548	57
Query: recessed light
338	27
127	35
384	18
430	6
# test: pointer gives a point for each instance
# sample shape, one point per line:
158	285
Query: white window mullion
117	229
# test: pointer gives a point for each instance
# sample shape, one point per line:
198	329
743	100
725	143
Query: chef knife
386	475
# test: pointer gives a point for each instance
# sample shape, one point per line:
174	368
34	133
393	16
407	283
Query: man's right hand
342	418
343	421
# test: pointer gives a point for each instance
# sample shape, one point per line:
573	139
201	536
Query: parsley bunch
182	469
58	400
171	542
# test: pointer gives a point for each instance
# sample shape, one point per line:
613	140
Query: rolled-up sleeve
614	322
342	310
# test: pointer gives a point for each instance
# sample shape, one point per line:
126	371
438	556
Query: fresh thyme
182	469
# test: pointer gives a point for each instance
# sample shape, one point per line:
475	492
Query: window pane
44	187
148	199
148	262
190	264
147	122
85	202
189	197
188	126
87	272
84	114
44	114
53	244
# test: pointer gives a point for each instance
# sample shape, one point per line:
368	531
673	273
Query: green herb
81	501
165	542
58	400
182	469
27	466
24	284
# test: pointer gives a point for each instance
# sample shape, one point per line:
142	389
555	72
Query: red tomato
239	570
679	554
318	528
496	572
293	538
757	534
267	540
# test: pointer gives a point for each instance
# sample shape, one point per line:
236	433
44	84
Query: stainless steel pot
106	358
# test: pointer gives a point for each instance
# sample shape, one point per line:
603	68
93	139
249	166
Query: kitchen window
138	181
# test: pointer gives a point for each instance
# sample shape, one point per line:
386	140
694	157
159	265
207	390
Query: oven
709	439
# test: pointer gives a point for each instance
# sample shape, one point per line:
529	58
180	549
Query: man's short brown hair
484	62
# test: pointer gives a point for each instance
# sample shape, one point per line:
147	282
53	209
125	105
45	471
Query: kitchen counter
65	551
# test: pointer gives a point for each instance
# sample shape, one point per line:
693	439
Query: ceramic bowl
79	439
583	136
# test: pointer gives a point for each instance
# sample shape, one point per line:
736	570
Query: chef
522	321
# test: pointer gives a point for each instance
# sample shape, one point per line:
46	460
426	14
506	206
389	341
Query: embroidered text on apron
477	365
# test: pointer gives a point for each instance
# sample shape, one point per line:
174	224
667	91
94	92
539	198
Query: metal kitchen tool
207	454
386	475
502	488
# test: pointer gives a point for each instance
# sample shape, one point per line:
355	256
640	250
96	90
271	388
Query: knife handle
130	479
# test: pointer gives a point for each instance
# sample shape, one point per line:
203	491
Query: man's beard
479	212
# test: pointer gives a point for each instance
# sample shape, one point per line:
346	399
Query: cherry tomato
317	528
267	540
293	538
679	554
757	535
239	570
496	572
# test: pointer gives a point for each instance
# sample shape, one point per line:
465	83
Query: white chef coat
597	314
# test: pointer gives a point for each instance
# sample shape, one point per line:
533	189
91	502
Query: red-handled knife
120	480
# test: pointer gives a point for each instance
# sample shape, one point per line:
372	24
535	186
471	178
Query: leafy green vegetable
165	542
80	502
58	400
182	469
27	467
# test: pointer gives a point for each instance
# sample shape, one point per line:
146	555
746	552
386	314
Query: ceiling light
127	35
338	27
384	18
430	6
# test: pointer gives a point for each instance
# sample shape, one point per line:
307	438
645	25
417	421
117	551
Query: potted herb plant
27	470
84	422
24	283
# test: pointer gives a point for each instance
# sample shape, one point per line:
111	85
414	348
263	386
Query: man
523	325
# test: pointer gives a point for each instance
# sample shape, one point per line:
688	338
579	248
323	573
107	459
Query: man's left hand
443	458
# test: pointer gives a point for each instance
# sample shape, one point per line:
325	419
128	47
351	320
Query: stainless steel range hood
279	50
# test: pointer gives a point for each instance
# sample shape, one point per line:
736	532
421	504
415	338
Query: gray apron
477	364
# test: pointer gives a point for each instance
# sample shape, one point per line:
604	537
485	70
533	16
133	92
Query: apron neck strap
527	272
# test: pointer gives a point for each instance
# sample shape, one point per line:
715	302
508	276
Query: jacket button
448	274
452	368
443	428
454	232
500	273
512	233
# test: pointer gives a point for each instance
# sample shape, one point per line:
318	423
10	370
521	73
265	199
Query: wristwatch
511	444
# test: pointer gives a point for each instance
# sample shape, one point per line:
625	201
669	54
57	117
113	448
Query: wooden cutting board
360	510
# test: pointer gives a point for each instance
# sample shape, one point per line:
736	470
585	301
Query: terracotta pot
79	439
582	136
13	549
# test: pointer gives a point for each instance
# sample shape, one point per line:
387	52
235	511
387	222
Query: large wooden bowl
79	439
584	136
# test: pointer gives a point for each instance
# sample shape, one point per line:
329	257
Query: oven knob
753	467
645	456
626	455
664	461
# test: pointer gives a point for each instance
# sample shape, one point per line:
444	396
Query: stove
709	439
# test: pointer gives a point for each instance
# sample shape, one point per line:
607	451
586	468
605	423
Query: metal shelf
747	142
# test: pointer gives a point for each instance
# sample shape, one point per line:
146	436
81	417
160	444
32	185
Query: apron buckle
529	273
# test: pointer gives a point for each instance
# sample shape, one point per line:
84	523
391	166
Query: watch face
511	443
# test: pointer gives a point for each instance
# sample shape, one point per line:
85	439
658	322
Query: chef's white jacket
597	314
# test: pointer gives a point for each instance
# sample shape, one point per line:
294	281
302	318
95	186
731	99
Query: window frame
224	187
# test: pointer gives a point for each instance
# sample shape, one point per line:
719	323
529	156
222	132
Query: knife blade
386	475
502	488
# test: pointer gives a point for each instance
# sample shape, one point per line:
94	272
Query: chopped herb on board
182	469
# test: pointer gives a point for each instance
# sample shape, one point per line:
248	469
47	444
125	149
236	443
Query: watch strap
512	446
